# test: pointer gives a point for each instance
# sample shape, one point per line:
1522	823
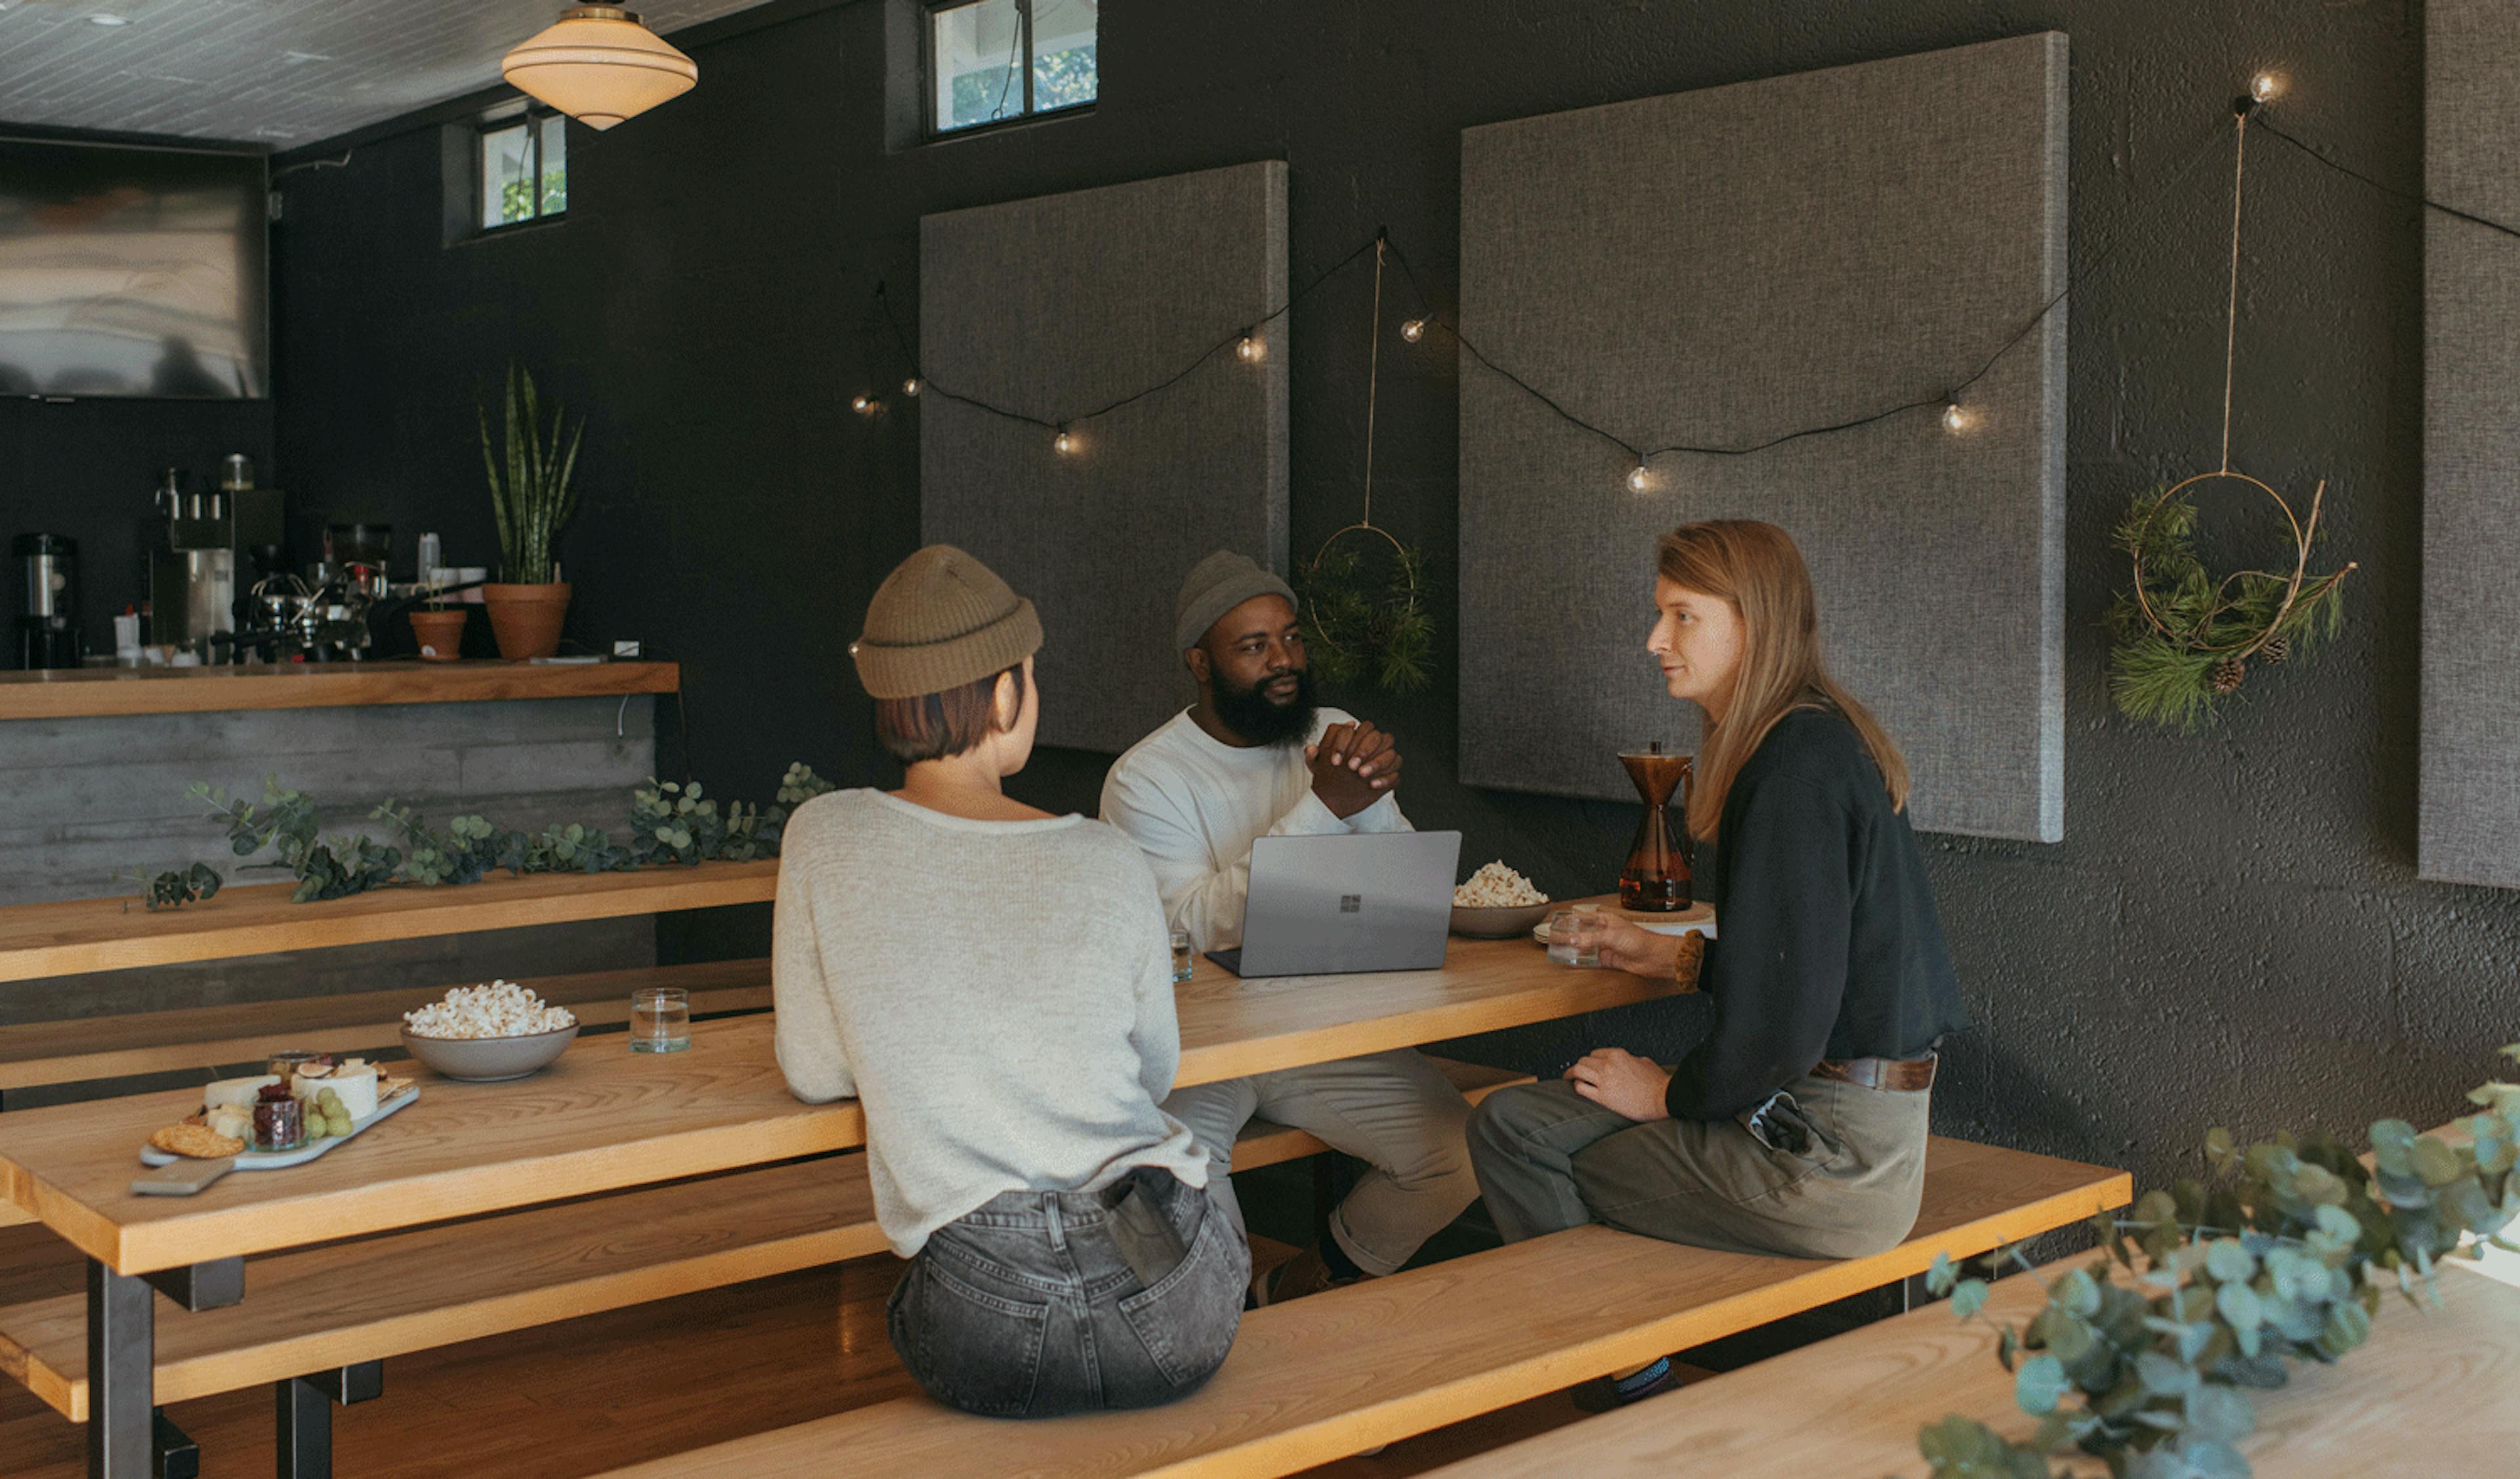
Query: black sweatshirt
1828	944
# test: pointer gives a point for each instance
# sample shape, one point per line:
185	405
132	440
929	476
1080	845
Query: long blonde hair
1754	567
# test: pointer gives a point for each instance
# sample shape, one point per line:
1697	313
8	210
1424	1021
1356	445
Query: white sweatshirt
1194	802
998	995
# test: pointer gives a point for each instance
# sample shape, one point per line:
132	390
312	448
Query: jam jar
279	1119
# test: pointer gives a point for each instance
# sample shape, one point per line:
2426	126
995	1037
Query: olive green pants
1835	1172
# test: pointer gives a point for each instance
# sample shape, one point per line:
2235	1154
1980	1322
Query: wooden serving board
282	1160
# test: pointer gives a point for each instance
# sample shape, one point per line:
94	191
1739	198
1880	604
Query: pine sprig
1358	622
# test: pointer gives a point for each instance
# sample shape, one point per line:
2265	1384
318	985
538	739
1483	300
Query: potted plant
438	626
531	500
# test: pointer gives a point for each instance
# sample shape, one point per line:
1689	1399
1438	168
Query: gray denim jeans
1041	1303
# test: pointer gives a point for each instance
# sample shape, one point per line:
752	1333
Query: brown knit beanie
1216	586
939	621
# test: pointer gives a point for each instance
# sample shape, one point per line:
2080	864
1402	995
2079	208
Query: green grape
338	1124
316	1129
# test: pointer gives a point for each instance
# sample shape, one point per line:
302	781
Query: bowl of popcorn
488	1033
1496	904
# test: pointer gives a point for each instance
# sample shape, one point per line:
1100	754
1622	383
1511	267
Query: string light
910	387
864	406
1638	480
1247	347
1062	443
1414	330
1953	418
2265	86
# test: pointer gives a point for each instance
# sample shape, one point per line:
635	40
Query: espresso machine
192	578
48	623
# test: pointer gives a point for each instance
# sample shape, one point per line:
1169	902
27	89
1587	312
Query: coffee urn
48	627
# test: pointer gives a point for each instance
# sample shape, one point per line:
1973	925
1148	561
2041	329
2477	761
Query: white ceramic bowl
1497	924
489	1060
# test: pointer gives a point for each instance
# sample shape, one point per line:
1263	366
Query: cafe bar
1485	738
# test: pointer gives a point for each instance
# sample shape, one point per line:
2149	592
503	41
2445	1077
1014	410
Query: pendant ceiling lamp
598	65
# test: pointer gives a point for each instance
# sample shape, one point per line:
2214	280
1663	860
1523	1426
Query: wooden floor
593	1394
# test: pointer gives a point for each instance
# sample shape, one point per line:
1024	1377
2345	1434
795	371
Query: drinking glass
660	1019
1181	956
1562	951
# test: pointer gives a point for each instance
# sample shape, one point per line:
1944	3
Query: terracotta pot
440	633
525	619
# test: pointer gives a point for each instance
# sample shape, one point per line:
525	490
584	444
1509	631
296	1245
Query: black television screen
131	271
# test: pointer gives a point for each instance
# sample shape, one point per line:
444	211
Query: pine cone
2277	650
2229	674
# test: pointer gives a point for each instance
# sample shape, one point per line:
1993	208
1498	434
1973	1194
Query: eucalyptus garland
2284	1257
670	824
1360	621
2183	639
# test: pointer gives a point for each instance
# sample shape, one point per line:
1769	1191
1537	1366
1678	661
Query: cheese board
183	1175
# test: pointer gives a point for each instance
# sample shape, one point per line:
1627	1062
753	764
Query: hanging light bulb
1246	348
600	65
864	406
1062	443
1953	418
1414	330
910	387
2265	86
1638	480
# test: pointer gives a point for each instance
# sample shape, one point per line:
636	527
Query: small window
998	61
523	168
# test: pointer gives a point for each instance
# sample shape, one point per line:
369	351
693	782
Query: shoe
1605	1394
1304	1274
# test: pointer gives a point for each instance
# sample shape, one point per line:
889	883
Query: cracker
200	1142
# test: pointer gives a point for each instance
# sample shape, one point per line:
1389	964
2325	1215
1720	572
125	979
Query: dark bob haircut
941	725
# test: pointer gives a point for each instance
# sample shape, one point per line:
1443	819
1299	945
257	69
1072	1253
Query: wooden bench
1324	1377
2407	1403
321	1309
84	1049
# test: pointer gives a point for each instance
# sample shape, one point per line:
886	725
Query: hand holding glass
1592	938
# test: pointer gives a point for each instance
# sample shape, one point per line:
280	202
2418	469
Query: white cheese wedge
238	1092
233	1121
357	1086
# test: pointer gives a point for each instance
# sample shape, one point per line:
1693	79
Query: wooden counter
113	692
80	934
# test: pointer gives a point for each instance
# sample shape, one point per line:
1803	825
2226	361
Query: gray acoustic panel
1718	267
2469	826
1067	303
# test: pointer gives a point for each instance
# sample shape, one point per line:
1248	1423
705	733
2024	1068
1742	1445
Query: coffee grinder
48	625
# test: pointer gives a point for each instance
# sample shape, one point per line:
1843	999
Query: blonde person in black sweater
1798	1126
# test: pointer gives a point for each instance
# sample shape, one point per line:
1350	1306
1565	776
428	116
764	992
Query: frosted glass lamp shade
598	65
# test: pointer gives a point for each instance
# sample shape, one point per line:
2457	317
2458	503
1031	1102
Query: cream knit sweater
998	993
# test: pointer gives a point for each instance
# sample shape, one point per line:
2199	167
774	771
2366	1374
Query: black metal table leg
178	1456
121	1374
304	1406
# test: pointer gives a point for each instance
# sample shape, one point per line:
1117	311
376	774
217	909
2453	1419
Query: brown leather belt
1894	1075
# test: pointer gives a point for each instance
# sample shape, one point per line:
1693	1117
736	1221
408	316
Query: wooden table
81	935
604	1119
2418	1399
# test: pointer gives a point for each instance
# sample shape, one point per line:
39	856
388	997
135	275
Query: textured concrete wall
2232	930
88	797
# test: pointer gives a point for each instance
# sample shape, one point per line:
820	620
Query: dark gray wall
2232	930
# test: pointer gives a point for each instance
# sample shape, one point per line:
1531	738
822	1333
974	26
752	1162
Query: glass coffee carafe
1655	880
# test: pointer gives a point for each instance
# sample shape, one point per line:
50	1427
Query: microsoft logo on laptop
1351	904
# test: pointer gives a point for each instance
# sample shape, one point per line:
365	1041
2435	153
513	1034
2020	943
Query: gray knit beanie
939	621
1216	586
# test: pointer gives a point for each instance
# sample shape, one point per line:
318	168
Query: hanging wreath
2184	639
1361	620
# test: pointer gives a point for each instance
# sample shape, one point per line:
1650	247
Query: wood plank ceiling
272	73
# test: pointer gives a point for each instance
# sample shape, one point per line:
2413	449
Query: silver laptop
1345	902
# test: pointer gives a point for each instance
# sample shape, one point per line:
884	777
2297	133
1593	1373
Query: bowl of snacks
488	1033
1496	904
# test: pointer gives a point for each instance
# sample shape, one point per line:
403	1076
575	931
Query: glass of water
1181	956
660	1019
1562	948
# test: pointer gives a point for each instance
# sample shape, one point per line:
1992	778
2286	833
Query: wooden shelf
81	935
114	692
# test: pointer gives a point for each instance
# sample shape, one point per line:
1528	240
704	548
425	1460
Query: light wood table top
114	692
605	1118
2416	1400
80	935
